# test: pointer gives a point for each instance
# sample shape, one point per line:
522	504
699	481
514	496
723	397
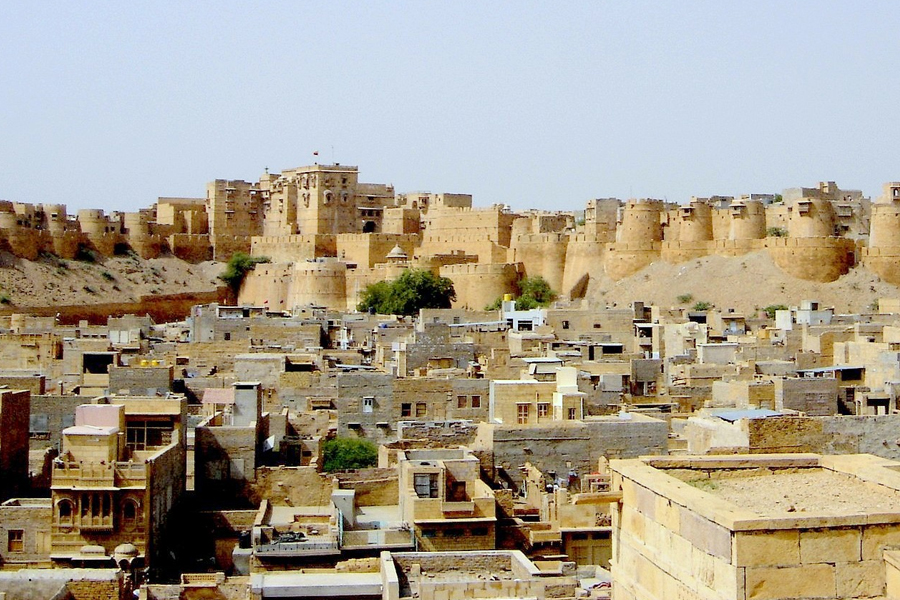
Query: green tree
776	232
772	308
237	267
413	290
534	292
701	306
341	454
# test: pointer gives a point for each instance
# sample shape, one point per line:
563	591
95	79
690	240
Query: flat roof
316	585
807	490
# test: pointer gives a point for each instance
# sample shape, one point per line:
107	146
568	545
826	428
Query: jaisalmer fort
307	386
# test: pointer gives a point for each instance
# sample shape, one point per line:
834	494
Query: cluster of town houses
521	453
570	451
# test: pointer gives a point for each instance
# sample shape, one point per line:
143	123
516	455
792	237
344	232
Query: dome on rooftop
397	253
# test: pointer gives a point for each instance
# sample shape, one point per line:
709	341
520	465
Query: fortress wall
488	252
148	246
473	223
746	221
293	248
884	262
136	224
267	285
28	243
478	285
400	220
191	248
369	249
624	259
721	223
542	255
682	251
105	243
226	245
882	257
777	216
736	247
9	221
693	222
93	222
885	225
811	218
585	254
434	262
66	244
319	283
641	222
813	259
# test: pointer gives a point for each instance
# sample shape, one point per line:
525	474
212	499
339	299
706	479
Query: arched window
130	513
64	512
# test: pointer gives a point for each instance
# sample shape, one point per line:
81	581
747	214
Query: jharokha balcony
77	475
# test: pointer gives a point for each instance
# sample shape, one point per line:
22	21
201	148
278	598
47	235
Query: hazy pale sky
541	105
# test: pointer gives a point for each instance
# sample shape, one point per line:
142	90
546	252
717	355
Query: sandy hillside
52	280
744	283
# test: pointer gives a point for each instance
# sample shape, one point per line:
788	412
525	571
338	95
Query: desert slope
744	283
53	281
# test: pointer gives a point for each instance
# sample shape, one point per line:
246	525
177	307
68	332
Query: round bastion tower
98	229
66	237
743	228
638	238
812	251
882	257
691	233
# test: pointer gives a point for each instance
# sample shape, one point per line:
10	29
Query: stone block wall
30	519
672	540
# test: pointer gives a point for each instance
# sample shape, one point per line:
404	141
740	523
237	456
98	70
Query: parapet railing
286	549
98	474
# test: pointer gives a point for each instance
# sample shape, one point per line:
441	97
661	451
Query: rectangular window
429	533
565	324
15	540
406	409
543	409
572	413
368	404
522	413
479	531
476	401
421	409
461	402
426	485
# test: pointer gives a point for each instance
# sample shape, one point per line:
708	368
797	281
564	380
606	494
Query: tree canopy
534	292
341	454
237	267
413	290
